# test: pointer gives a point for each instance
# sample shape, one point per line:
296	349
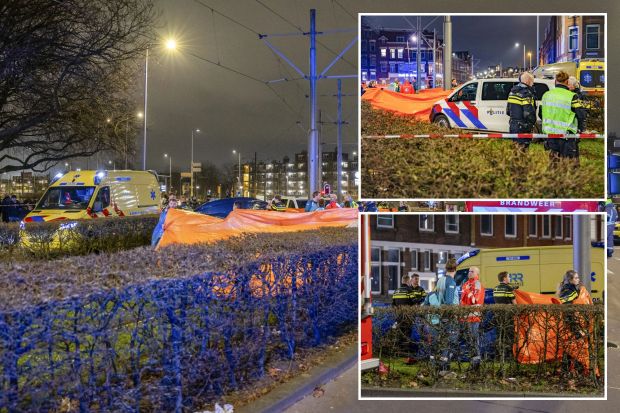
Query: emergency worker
504	293
277	205
521	108
562	112
402	295
418	294
569	287
473	295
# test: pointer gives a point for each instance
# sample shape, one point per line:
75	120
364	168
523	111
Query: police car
481	104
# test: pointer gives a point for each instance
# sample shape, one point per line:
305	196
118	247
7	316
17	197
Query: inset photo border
422	138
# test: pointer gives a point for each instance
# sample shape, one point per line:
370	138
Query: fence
169	344
529	342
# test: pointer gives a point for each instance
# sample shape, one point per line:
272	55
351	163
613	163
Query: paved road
341	394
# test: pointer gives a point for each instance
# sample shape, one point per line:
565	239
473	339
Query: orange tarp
418	105
184	227
545	337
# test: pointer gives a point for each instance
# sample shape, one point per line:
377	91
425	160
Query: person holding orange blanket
473	295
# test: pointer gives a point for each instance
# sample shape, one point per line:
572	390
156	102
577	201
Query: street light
191	191
239	177
170	45
169	171
113	163
529	54
517	45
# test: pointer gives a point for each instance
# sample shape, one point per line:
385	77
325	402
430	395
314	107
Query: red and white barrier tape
492	136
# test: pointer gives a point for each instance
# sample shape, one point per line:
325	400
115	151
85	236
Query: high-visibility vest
556	111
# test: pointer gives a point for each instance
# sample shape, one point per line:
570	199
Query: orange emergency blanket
184	227
546	337
418	105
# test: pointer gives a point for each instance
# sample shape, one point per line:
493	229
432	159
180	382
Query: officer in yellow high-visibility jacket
562	112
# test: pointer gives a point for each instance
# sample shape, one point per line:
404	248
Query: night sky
491	39
238	113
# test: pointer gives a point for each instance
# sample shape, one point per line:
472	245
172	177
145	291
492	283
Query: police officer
402	295
521	108
277	205
562	112
418	294
504	293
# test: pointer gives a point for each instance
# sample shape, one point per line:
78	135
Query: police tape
492	136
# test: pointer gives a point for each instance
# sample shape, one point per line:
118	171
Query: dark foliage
65	68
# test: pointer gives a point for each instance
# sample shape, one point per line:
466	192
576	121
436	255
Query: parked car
221	207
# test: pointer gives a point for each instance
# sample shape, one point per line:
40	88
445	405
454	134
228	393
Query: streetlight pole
169	171
191	168
239	172
146	88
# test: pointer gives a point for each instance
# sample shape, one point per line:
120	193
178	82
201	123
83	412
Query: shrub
45	240
532	343
170	329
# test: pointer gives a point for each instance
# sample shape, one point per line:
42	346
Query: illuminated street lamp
171	44
191	191
517	45
169	171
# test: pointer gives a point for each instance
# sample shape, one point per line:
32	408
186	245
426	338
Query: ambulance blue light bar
467	255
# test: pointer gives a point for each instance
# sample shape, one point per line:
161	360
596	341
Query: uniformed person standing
562	112
418	294
402	295
504	293
521	108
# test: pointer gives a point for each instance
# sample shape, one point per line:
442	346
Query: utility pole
313	139
434	58
581	249
537	41
339	155
447	53
418	55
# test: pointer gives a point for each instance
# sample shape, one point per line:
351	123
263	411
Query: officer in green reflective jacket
562	112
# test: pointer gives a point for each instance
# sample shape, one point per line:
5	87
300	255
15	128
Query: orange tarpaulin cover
184	227
418	105
545	337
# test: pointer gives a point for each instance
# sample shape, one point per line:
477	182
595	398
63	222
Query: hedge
45	240
531	343
168	330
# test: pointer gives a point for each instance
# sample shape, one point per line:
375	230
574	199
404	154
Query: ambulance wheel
442	121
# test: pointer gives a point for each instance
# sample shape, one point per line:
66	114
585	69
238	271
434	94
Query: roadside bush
46	240
560	345
468	168
167	330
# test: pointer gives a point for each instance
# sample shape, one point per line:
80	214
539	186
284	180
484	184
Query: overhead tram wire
302	32
345	10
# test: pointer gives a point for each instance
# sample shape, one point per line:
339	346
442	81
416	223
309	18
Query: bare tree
66	67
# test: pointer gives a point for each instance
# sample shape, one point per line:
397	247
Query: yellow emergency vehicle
589	72
532	269
98	194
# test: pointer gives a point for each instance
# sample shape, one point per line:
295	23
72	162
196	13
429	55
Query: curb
320	376
448	393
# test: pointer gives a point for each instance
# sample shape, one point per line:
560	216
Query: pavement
341	393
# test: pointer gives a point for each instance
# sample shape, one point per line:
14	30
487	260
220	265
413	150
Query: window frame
598	36
573	35
426	228
385	216
516	230
555	227
486	234
448	231
544	227
529	232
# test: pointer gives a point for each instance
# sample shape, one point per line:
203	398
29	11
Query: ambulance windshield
66	197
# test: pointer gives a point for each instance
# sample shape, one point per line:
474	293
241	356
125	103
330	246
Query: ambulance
98	194
480	105
589	72
532	269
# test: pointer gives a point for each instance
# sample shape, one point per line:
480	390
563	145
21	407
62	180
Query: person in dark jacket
6	208
504	293
521	108
569	288
402	295
418	294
